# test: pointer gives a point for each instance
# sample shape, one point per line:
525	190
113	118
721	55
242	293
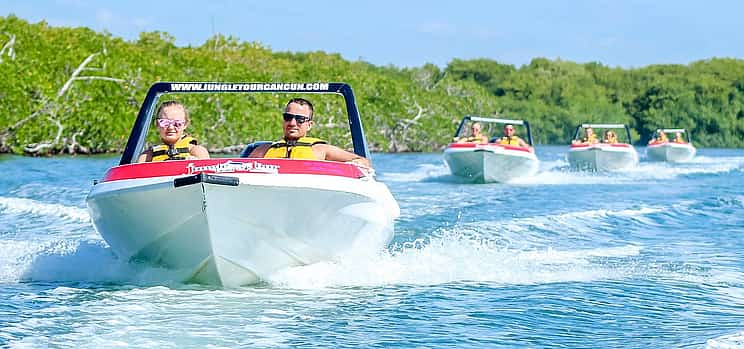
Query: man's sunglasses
299	118
165	123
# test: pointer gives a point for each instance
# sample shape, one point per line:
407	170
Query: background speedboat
671	151
602	156
490	162
234	221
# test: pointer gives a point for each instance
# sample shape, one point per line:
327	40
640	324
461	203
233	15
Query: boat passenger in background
589	137
610	137
475	135
298	120
172	120
678	138
510	138
659	138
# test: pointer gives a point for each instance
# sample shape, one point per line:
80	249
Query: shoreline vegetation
76	91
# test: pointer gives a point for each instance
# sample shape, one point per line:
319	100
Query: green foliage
409	109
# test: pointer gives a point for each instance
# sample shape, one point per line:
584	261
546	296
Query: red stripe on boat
232	165
618	145
489	145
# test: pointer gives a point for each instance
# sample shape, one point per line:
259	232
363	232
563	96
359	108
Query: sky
630	33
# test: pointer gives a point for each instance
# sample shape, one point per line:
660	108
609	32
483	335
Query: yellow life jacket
300	149
509	141
592	139
178	151
473	139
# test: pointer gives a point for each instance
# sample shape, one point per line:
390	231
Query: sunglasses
299	118
165	123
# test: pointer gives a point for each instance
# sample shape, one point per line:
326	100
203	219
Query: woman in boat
172	120
298	120
589	138
610	137
475	135
678	138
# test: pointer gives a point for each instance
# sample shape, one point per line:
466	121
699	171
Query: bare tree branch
75	74
9	46
74	144
37	148
218	107
106	78
51	107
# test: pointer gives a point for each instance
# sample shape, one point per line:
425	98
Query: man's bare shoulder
260	151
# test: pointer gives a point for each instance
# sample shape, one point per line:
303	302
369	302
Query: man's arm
334	153
522	143
260	151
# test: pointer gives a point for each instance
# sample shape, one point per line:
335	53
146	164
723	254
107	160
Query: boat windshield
602	133
492	128
224	123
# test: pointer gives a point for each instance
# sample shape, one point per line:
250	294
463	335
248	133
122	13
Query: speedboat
602	156
235	221
490	162
671	151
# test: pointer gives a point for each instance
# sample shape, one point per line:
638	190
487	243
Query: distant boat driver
659	137
589	138
298	120
510	138
475	135
172	120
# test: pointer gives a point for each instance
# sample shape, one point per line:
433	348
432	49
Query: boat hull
671	152
490	163
241	232
602	157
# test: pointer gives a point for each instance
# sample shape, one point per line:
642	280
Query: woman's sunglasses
299	118
165	123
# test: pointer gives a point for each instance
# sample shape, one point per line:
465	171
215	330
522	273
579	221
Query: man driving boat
510	138
589	138
660	137
475	135
298	120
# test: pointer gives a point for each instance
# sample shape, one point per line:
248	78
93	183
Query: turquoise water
646	258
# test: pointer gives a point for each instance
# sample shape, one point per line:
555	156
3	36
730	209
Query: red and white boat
602	156
671	151
235	221
491	162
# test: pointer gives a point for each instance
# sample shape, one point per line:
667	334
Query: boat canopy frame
498	121
621	126
137	137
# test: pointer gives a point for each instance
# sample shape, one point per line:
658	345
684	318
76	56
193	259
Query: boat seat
250	147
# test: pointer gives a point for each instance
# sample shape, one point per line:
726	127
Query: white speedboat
671	151
491	162
235	221
602	156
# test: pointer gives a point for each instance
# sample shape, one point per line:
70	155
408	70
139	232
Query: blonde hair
167	104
